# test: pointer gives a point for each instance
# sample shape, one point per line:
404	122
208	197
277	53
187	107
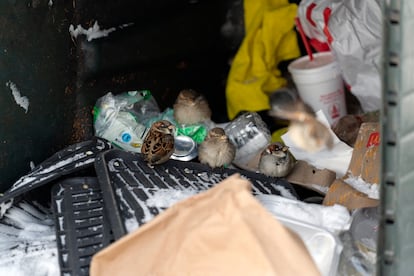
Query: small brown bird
191	107
158	145
216	150
276	160
305	130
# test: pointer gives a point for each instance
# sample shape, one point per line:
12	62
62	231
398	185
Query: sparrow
305	130
276	160
216	150
191	107
158	144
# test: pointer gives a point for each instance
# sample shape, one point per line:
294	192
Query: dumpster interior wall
50	80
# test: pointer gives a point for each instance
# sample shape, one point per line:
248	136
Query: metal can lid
185	148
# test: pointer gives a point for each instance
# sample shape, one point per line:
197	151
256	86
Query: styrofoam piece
324	247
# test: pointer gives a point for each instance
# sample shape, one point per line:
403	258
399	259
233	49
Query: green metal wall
169	45
396	240
34	55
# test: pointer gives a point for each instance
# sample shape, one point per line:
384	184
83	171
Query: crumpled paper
336	159
223	231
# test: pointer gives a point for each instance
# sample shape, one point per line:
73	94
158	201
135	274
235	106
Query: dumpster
58	179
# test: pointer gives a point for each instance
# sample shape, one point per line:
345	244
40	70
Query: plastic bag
124	119
197	132
352	30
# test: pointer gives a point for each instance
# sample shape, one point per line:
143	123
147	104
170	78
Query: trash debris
122	119
178	240
250	135
358	188
354	35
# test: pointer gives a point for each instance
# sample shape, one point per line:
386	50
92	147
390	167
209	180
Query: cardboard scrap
345	195
223	231
310	177
365	163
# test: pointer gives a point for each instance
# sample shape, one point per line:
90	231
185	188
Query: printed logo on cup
334	111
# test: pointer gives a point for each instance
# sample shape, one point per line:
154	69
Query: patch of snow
370	189
95	31
28	243
125	25
131	224
284	191
22	101
91	33
5	206
165	198
322	189
29	178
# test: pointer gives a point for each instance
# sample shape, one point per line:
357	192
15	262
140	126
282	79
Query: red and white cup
319	83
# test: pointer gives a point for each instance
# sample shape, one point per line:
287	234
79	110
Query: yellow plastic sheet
269	39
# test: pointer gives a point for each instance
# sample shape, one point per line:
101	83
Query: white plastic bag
352	30
123	119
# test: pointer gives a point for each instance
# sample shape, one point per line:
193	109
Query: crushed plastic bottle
123	119
249	133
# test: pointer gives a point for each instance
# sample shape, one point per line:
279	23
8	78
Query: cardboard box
365	163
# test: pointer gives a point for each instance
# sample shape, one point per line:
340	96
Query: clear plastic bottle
249	133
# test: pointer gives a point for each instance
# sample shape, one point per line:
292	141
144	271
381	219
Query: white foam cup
320	85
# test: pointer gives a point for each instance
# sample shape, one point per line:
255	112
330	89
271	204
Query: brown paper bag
223	231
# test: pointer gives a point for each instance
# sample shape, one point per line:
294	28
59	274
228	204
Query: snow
322	189
284	191
29	178
165	198
28	232
370	189
22	101
131	224
93	32
5	206
27	243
